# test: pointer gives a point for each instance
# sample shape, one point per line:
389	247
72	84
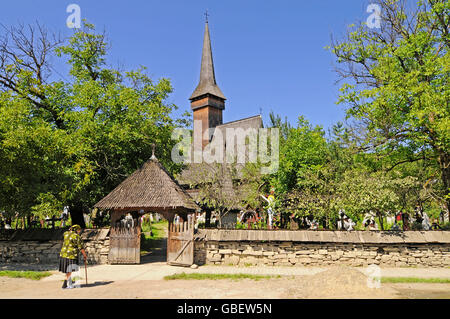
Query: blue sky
269	55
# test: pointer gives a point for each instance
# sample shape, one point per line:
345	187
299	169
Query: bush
240	225
399	224
417	226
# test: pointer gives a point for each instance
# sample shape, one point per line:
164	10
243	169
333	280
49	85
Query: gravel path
146	281
157	271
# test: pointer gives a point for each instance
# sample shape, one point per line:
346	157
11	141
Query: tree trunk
325	222
208	219
76	214
219	217
444	164
380	218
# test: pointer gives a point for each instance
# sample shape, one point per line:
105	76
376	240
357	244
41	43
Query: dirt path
146	281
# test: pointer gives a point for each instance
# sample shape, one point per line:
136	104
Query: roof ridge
240	120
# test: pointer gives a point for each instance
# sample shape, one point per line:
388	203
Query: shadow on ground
96	284
157	251
413	292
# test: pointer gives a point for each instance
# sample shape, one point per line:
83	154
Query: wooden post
208	219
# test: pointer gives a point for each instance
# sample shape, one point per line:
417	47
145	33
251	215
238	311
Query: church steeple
207	84
207	101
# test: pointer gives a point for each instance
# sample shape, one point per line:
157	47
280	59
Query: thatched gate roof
150	188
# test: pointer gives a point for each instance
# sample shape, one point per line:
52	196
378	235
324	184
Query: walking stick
85	270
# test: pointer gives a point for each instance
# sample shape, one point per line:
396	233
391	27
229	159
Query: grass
33	275
158	233
158	229
398	280
197	276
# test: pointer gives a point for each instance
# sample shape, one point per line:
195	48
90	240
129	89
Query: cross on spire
153	151
206	15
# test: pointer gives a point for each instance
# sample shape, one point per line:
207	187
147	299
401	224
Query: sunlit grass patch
197	276
157	229
158	234
34	275
398	280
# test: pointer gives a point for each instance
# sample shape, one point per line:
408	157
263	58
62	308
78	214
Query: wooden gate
180	243
125	243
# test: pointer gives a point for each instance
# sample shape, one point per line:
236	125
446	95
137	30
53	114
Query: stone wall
30	252
96	242
43	246
321	248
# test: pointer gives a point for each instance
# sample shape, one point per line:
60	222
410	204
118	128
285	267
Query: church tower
207	101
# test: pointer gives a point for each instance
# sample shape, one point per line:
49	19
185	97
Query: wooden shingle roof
150	188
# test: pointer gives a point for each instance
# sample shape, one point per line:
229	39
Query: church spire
207	84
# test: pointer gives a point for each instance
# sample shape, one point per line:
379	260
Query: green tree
217	187
397	88
361	192
302	150
71	141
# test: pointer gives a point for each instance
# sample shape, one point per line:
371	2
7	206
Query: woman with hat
68	261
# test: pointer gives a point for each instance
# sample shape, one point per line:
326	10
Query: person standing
68	261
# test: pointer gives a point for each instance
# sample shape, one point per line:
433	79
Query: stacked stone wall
305	248
18	247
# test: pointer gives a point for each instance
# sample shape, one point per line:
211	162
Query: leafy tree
49	206
70	142
302	150
397	88
361	192
216	187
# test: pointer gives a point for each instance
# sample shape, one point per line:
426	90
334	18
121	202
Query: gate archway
149	189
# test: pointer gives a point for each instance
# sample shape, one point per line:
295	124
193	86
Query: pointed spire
207	83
